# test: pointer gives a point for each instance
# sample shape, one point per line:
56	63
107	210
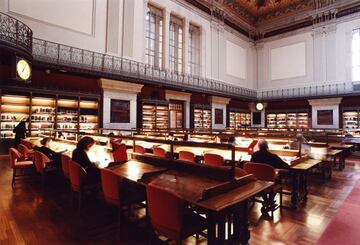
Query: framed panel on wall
256	117
325	117
119	111
219	116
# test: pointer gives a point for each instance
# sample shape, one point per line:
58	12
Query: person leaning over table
80	156
52	155
263	155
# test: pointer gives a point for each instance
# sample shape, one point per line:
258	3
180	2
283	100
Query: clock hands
23	68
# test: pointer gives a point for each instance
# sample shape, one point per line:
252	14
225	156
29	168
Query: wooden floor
29	215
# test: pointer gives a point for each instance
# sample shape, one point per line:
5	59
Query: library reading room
219	122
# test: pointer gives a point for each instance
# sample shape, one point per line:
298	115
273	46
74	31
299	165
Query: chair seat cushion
24	164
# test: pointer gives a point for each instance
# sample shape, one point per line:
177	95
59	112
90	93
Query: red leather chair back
120	154
261	171
115	144
25	152
159	152
28	144
40	161
76	173
14	155
139	149
187	156
213	159
65	164
239	172
110	185
165	211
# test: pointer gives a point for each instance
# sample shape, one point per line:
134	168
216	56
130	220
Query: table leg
295	190
211	228
244	224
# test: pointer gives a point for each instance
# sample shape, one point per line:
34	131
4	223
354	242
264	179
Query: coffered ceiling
255	11
272	17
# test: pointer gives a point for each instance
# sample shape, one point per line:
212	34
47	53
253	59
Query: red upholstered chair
16	165
65	159
187	156
139	149
267	173
239	172
110	184
77	176
115	144
28	144
25	152
119	153
42	164
159	152
213	159
169	215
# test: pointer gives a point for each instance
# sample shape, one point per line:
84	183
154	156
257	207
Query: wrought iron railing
15	33
104	64
320	90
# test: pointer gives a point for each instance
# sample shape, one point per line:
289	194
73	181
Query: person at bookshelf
80	156
55	157
263	155
20	131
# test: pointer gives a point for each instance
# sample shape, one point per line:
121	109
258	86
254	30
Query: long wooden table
299	177
221	205
98	154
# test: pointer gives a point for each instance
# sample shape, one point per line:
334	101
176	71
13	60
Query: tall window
154	37
176	44
194	50
355	50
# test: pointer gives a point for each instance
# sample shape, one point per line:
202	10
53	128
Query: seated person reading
80	156
299	139
52	155
265	156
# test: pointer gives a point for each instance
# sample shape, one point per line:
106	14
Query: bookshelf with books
239	120
176	114
202	117
14	109
47	111
290	120
42	115
88	115
155	115
351	119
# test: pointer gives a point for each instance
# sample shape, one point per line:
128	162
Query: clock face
259	106
23	69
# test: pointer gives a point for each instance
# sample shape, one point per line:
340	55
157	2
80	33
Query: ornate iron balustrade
82	60
15	33
321	90
118	68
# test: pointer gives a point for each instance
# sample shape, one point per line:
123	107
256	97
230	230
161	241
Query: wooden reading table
218	195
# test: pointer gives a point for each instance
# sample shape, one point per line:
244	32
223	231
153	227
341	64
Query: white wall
80	24
283	63
327	56
118	27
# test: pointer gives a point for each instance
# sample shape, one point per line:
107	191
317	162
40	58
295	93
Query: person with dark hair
20	132
80	156
55	157
263	155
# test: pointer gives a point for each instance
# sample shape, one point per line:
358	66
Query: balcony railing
319	90
118	68
113	66
14	33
